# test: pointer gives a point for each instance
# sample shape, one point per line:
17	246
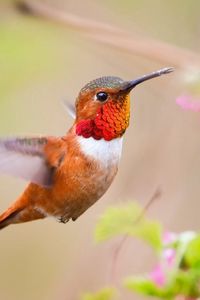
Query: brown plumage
68	174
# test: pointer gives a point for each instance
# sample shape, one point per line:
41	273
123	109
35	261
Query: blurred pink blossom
173	247
158	276
169	237
169	256
167	260
188	102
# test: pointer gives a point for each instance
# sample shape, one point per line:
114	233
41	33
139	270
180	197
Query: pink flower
158	276
188	102
167	260
169	256
169	238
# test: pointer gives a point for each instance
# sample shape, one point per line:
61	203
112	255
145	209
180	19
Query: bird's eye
102	96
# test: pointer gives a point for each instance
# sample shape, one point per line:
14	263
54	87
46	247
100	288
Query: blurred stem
156	195
115	37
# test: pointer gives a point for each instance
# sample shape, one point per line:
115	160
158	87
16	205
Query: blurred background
45	58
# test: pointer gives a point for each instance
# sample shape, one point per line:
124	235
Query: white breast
106	152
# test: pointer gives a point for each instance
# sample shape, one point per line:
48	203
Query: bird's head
103	106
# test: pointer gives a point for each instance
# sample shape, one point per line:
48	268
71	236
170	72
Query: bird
68	174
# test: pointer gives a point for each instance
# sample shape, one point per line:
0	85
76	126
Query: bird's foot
64	219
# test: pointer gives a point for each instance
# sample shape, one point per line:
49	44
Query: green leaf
184	283
104	294
181	283
128	219
192	253
143	286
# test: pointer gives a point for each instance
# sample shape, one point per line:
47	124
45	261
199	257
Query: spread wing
26	158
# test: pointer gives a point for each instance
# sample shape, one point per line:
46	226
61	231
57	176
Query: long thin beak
128	86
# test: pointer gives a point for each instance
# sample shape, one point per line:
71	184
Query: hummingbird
70	173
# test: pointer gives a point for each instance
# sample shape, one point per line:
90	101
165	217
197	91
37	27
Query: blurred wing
70	109
25	158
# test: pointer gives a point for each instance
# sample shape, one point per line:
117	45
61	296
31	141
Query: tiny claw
63	219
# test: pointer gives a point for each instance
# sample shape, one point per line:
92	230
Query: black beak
129	85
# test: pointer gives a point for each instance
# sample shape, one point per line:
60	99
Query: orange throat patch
111	121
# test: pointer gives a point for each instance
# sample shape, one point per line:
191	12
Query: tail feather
8	217
15	215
